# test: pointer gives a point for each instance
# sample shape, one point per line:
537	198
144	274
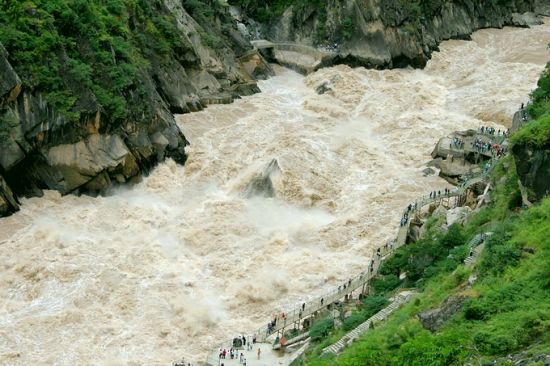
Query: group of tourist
234	353
404	219
435	194
483	146
456	142
492	131
329	47
523	114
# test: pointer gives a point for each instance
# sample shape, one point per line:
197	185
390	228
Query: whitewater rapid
190	256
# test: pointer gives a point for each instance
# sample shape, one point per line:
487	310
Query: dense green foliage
321	329
436	253
79	52
540	97
537	132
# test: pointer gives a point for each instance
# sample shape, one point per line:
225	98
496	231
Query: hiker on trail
304	306
244	340
322	301
259	352
521	105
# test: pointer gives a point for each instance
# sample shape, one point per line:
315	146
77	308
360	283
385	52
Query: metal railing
311	307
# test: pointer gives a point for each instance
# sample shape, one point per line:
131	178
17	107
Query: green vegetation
321	329
78	52
371	305
434	254
537	132
508	309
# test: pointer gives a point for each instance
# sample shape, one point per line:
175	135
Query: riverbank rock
82	163
526	20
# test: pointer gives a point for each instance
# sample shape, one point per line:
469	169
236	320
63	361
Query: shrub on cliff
321	329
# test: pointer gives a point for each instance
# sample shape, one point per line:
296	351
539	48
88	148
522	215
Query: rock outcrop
41	148
533	169
389	33
433	319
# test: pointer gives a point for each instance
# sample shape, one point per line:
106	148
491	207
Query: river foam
193	255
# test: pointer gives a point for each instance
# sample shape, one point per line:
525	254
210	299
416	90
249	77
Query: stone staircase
471	260
476	247
399	300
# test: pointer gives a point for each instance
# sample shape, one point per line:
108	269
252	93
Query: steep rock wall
43	148
390	33
533	169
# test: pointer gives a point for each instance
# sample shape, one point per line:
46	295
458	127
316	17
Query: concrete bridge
299	57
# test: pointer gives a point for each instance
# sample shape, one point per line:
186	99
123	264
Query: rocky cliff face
389	33
41	148
533	169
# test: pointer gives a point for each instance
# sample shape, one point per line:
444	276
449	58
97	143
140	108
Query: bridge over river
299	57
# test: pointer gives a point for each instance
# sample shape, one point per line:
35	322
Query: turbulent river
196	254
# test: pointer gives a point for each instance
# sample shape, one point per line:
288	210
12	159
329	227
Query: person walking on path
259	352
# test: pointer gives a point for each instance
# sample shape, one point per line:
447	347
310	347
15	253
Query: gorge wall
88	91
384	33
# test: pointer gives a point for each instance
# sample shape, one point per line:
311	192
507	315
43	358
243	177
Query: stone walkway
399	300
